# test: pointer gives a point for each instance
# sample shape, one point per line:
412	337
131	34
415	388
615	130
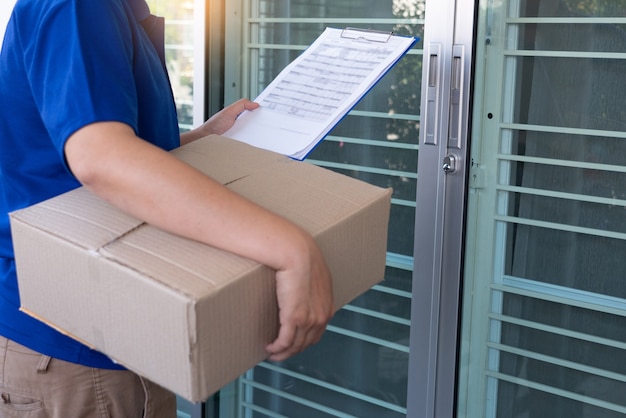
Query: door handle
432	93
457	82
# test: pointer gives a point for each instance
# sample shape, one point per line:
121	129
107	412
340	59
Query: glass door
544	295
443	168
360	368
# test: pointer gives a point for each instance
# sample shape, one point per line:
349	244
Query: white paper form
313	93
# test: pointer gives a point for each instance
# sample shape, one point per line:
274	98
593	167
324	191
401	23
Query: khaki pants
36	386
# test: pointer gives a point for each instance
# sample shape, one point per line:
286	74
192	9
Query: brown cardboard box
185	315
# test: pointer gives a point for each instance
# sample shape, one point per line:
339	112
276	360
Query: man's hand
305	303
219	122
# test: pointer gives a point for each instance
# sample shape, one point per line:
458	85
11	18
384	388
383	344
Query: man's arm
160	189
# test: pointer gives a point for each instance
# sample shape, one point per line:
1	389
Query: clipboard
370	35
318	89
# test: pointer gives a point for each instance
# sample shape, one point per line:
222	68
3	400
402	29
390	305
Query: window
184	56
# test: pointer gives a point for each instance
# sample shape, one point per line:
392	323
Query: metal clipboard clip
370	35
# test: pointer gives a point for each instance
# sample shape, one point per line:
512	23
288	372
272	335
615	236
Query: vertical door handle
456	97
432	93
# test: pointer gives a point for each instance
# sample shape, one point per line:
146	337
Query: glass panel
606	181
556	406
546	314
551	214
568	147
305	395
579	37
179	53
359	369
565	212
571	92
567	8
561	363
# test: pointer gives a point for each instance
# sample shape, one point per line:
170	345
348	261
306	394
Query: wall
5	11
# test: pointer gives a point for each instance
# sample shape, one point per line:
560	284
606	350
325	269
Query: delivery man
86	101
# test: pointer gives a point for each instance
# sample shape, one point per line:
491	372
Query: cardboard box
185	315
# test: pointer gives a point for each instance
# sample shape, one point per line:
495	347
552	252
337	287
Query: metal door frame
440	212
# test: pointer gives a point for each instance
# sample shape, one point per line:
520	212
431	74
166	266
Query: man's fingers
241	105
292	340
282	346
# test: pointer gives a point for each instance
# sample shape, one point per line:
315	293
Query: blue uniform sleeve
80	66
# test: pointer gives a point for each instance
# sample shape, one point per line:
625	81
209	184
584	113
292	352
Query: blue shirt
65	64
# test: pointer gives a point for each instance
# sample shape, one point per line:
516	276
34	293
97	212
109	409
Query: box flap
214	148
189	267
79	217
